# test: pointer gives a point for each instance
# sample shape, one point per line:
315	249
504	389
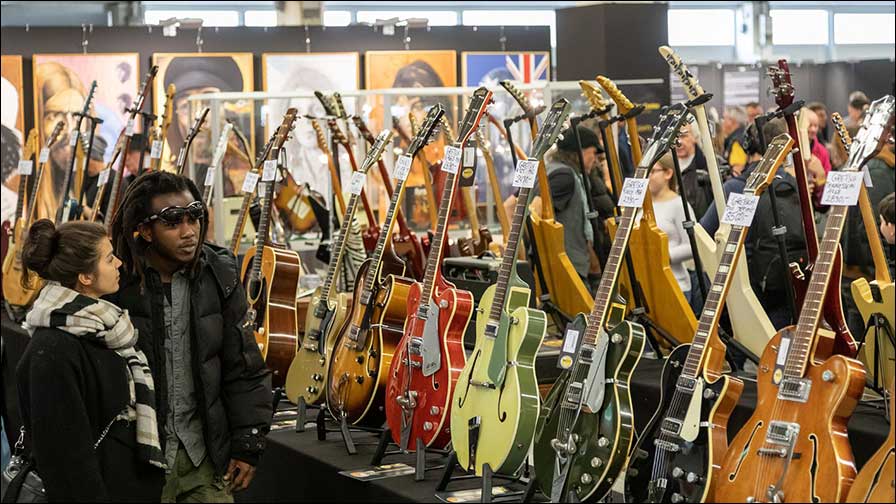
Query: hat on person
587	137
219	72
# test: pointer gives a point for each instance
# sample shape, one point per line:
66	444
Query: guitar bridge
666	446
671	426
794	389
686	384
573	395
415	346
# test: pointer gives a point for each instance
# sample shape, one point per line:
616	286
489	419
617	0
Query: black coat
233	384
70	389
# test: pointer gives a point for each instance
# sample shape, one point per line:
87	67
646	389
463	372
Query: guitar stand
302	413
488	478
882	333
148	118
688	226
420	453
344	429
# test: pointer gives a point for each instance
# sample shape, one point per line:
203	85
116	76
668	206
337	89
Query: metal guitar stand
883	333
488	478
344	429
420	453
148	118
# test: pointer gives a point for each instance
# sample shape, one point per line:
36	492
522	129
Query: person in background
887	211
185	298
87	395
858	103
824	132
753	110
669	217
694	171
734	123
819	151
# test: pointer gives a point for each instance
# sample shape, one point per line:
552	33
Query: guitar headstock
54	135
478	103
688	81
319	133
874	133
338	136
328	105
592	93
363	129
168	113
31	145
665	134
144	87
764	172
782	88
447	130
221	147
519	97
87	101
550	129
339	107
622	103
376	150
197	125
840	126
434	116
285	128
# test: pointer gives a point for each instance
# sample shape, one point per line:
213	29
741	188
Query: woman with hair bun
86	393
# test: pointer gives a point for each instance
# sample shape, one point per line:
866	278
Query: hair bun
41	245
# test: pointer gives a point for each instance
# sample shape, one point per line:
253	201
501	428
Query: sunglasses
174	215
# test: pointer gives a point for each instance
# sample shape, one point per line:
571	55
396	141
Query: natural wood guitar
495	407
794	447
271	275
14	292
678	453
749	322
649	247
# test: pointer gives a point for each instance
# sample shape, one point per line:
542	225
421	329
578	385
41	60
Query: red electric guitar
844	344
431	356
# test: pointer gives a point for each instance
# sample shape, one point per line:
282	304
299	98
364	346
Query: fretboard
339	248
438	239
509	258
247	202
20	198
385	234
264	223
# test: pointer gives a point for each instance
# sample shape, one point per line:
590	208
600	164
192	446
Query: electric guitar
496	190
429	182
161	132
271	274
495	406
215	166
112	207
371	234
586	428
876	300
431	355
404	256
182	155
250	187
678	452
876	482
328	308
564	285
844	344
334	174
749	323
794	447
13	290
666	305
69	208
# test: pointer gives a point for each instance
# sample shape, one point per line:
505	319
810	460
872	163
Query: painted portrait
13	134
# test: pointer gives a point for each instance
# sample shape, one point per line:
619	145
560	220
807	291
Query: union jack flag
489	68
527	67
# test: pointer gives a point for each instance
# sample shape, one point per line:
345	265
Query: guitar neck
631	126
715	177
496	191
339	248
802	182
428	179
247	202
508	260
371	220
612	154
438	239
261	236
67	185
385	233
20	197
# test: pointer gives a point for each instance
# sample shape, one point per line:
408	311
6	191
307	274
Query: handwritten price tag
129	129
632	194
403	167
740	209
451	161
210	176
357	183
524	175
250	182
104	177
270	171
156	151
25	166
469	156
44	155
842	188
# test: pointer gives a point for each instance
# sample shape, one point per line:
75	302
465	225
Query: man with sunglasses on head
185	298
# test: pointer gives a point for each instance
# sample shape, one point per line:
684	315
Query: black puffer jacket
232	381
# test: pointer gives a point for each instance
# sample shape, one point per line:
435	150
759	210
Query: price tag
44	155
25	166
572	339
357	183
73	141
842	188
469	156
210	176
740	209
156	151
129	129
403	167
250	182
147	162
451	161
524	175
868	182
270	171
103	178
633	191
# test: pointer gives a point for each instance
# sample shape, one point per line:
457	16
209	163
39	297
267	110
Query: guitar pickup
782	433
491	330
666	446
586	354
574	394
794	389
686	383
671	426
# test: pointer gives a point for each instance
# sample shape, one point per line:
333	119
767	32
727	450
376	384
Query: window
260	18
208	17
799	27
337	18
509	18
436	18
701	27
875	28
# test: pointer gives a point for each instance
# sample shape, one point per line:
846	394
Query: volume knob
596	462
676	498
677	472
693	478
586	479
602	442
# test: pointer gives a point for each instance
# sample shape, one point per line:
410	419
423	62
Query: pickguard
690	428
430	350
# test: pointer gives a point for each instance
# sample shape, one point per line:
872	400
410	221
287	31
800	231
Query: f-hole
813	468
743	455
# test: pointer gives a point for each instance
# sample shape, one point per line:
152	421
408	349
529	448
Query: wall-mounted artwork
13	134
198	73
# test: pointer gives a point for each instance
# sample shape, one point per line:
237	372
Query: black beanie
586	136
